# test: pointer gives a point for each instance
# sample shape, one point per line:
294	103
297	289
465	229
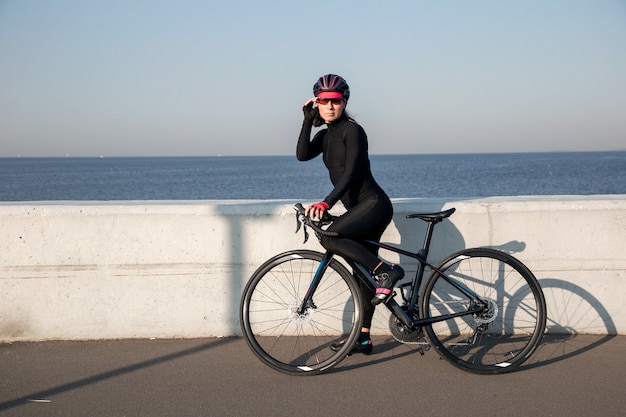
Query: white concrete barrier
92	270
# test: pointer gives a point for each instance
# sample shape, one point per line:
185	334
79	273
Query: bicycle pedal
390	297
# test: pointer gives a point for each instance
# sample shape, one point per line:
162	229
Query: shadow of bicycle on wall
581	325
577	322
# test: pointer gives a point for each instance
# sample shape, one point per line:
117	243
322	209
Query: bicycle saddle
432	217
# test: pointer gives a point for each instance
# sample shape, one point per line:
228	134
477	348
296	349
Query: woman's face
331	109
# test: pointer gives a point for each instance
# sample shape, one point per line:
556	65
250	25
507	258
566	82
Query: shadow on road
46	393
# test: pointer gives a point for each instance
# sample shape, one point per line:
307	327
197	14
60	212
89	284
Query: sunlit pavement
567	376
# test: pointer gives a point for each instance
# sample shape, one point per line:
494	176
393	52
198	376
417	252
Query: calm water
283	177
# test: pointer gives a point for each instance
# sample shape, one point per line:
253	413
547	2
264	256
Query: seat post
427	238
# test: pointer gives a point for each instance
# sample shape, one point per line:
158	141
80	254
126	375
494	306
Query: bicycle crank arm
399	312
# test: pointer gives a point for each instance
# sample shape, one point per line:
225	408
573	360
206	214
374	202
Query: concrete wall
91	270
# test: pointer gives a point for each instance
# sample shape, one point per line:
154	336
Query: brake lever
306	233
300	223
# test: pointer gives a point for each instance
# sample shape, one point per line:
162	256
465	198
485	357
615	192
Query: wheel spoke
282	333
509	328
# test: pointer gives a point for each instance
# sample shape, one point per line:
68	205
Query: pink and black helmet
331	86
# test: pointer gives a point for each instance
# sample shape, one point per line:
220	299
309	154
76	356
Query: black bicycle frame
406	316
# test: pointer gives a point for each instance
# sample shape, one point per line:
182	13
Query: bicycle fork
307	301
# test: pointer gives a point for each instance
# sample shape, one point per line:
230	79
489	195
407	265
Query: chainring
403	334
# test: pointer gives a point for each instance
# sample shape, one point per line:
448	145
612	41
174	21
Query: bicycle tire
296	343
500	339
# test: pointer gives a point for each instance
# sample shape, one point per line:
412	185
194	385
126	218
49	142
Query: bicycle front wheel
506	333
286	336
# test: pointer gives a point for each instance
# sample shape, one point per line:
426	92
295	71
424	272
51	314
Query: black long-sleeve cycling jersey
345	152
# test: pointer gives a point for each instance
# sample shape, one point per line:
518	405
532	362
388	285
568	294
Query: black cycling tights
365	221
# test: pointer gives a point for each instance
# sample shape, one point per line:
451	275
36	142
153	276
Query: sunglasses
325	101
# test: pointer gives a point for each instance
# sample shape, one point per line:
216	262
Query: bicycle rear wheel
500	338
298	342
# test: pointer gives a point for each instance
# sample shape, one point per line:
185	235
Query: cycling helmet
331	86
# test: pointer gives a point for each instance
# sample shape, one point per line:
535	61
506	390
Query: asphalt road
567	376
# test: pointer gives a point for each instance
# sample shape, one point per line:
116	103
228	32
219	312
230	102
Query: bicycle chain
414	337
420	341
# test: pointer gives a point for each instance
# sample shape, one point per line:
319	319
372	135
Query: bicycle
481	308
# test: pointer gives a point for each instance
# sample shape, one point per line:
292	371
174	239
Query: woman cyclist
343	145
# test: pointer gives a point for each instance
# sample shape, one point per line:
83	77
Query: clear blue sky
153	78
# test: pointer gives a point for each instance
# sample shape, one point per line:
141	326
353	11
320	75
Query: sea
284	177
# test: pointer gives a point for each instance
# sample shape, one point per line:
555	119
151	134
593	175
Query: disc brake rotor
301	317
489	314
